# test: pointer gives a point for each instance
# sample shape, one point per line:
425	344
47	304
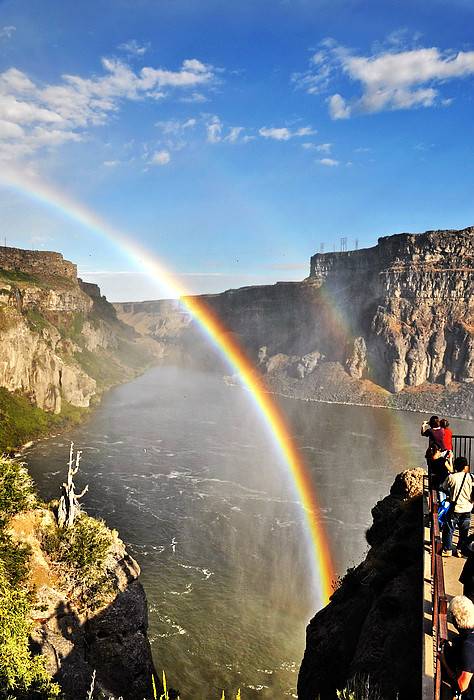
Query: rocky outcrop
371	629
78	638
399	315
58	333
37	262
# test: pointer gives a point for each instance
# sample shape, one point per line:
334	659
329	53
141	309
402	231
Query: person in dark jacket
458	658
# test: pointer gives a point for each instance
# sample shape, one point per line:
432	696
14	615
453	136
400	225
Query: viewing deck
440	585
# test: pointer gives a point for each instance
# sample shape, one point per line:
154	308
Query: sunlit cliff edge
391	325
61	344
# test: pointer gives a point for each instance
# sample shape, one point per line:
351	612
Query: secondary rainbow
223	340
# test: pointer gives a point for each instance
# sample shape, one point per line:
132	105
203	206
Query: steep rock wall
58	335
400	314
371	627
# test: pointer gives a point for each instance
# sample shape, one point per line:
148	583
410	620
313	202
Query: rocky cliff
84	611
370	630
60	340
386	325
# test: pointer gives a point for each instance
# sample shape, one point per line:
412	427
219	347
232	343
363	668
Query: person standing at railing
458	658
458	486
448	439
436	453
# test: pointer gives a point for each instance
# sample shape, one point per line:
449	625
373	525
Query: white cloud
10	130
324	147
111	163
174	127
195	97
319	147
160	158
234	134
278	134
338	108
283	133
7	32
133	48
217	132
329	162
393	78
74	104
214	130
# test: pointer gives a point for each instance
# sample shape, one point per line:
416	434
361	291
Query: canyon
61	343
390	325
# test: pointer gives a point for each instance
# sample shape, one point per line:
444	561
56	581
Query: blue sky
234	139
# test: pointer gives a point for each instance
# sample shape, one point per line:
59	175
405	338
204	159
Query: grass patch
42	281
20	421
36	321
101	367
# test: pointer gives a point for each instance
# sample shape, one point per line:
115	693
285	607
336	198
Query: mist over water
181	464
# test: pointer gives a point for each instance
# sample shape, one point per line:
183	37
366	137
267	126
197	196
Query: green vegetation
360	688
16	489
36	321
101	367
70	326
22	676
43	281
81	552
20	421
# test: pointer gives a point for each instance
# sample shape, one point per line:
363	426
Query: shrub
17	492
81	551
22	676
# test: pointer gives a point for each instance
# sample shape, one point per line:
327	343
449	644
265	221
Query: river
180	463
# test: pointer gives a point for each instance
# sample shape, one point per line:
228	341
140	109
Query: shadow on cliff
113	643
372	626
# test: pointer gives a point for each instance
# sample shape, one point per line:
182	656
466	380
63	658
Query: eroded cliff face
397	316
58	334
371	629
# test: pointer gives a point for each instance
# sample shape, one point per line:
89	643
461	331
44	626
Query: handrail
463	446
440	602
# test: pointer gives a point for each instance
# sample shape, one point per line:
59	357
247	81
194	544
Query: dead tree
69	505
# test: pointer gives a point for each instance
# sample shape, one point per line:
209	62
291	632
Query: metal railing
440	601
463	446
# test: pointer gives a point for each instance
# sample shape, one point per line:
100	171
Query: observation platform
440	585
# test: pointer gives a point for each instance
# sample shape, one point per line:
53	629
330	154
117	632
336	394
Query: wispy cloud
283	133
217	132
134	48
329	162
33	116
7	32
160	158
319	147
392	78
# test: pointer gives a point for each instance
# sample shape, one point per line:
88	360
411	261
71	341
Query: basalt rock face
399	315
370	629
57	333
412	302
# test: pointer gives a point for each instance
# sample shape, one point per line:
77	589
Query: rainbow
218	334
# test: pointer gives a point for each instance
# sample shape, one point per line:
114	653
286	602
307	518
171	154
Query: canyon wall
391	318
60	340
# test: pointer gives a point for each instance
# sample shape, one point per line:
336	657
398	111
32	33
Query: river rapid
181	464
